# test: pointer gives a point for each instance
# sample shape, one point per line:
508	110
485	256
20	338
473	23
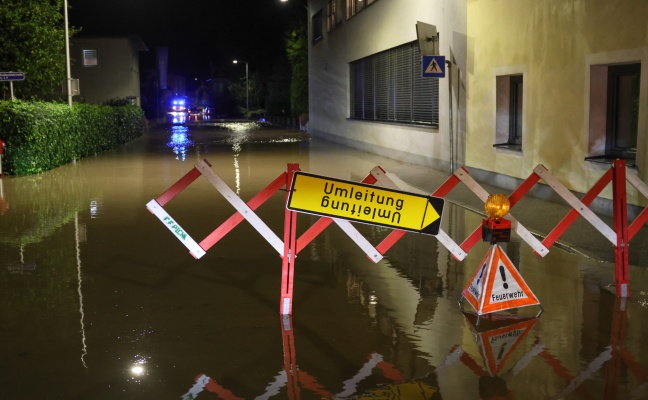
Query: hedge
40	136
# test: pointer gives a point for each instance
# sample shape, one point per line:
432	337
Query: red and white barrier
292	244
288	248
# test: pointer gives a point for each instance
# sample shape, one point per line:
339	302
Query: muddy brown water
98	300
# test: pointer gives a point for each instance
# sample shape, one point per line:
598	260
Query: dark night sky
195	31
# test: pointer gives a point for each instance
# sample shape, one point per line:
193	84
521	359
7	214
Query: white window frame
599	115
595	110
502	109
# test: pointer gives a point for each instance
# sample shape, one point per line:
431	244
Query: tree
297	51
278	102
32	37
255	93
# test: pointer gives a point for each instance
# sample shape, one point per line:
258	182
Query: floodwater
99	300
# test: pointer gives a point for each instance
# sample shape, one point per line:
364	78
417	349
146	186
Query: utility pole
67	55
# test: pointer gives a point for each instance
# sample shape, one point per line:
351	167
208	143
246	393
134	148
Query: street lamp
67	55
247	96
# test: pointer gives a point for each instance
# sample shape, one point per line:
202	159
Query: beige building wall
116	74
382	25
557	45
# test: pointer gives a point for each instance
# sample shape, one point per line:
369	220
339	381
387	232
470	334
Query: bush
40	136
117	102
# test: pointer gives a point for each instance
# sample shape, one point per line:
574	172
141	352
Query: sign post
364	203
12	76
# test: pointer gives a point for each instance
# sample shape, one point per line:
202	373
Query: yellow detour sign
402	391
365	203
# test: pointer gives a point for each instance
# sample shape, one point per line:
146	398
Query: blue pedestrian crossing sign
433	66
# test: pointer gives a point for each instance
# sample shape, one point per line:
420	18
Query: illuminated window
90	58
355	6
614	112
389	86
509	112
334	13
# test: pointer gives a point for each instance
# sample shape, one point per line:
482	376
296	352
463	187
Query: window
509	111
390	87
614	112
90	58
334	14
355	6
622	110
317	26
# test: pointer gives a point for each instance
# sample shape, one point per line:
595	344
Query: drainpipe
449	66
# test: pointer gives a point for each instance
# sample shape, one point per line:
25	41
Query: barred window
389	86
90	58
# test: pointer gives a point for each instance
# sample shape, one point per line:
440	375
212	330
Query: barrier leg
290	357
290	246
619	201
617	340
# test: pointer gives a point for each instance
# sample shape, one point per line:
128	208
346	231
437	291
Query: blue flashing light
178	102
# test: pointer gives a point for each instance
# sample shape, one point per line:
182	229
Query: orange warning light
497	205
495	228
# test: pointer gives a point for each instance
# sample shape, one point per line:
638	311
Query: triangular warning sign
433	67
497	285
497	345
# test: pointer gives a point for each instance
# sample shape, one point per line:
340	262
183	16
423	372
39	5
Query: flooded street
98	300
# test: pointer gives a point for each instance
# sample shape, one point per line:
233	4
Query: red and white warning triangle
497	285
496	345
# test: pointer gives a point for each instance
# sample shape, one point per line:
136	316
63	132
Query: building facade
557	83
366	88
562	83
107	67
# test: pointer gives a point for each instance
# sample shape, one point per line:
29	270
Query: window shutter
389	86
425	110
368	73
403	84
382	79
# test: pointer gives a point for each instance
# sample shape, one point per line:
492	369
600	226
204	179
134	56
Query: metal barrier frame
292	244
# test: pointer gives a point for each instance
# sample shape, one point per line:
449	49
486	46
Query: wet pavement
98	300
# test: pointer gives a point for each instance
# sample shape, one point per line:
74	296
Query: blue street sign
433	66
12	76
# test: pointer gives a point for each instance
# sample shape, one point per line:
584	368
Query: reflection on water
138	368
97	300
179	141
176	117
4	206
95	208
79	236
21	267
239	126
